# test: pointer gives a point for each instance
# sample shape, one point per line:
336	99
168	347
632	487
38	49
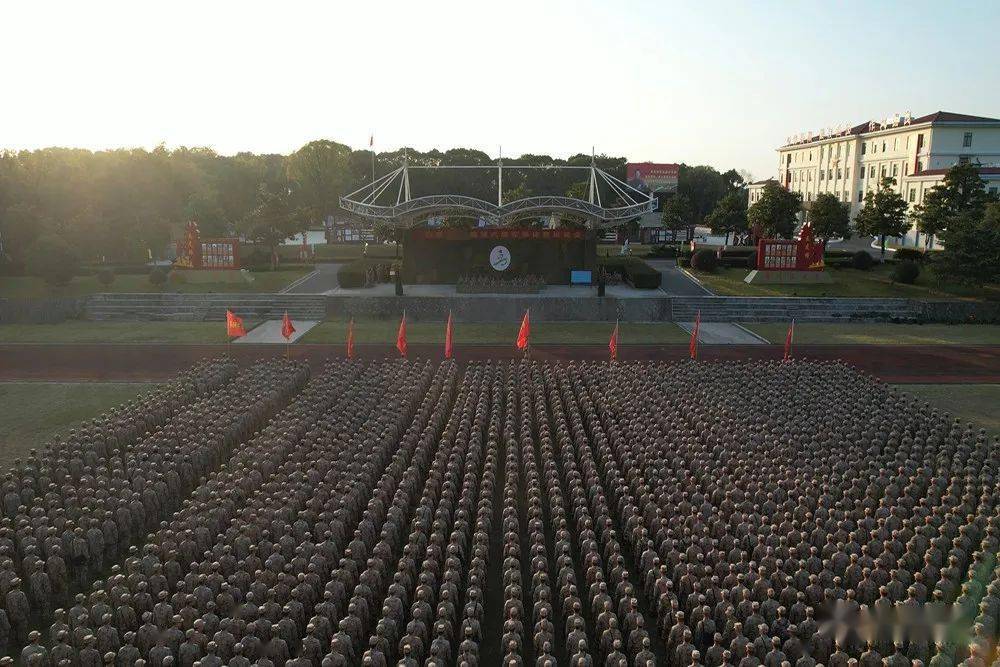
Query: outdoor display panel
442	255
652	176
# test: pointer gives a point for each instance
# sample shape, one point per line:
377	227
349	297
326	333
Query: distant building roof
936	117
764	182
983	171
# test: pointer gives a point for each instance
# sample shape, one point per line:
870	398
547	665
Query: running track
891	363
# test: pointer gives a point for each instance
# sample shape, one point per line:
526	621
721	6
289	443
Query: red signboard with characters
194	252
805	254
499	233
652	176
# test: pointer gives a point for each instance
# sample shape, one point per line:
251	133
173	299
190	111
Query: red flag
447	338
401	336
613	343
234	325
693	346
788	340
350	339
286	326
524	333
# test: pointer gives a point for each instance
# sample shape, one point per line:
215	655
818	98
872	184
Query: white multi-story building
916	152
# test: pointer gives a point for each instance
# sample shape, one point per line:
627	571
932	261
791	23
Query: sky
717	83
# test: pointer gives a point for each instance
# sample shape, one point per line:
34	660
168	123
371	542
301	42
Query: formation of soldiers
514	513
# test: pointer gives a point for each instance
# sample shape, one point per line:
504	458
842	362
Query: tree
318	175
776	212
830	218
578	190
678	213
971	252
274	219
961	191
884	213
932	215
53	260
729	215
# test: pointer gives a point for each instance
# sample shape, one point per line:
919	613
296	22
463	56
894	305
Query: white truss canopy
387	199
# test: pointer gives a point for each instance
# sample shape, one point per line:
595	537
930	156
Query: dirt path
892	363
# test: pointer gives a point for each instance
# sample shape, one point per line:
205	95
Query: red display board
805	254
499	233
194	252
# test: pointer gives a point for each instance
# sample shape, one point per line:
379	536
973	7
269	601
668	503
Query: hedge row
633	270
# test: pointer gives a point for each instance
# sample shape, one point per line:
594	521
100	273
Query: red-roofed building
850	161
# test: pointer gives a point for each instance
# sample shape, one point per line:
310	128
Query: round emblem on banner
500	258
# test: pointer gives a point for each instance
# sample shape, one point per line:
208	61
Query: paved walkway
723	333
320	281
674	281
269	332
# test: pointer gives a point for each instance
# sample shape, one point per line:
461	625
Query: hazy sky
700	82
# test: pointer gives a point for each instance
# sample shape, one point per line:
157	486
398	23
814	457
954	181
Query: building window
913	194
967	140
882	171
864	148
920	166
963	159
871	171
906	168
895	143
821	174
840	173
847	173
861	195
895	170
847	152
883	146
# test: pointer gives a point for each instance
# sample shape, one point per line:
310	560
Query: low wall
41	311
485	308
958	312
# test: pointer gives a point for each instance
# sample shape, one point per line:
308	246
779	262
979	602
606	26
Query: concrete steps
802	309
201	307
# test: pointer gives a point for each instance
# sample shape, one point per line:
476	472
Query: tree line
125	205
959	212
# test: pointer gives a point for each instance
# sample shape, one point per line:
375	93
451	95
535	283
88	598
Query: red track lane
892	363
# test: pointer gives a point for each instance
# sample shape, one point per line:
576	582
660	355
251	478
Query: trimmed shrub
352	274
909	255
51	258
905	272
633	270
662	252
157	277
684	262
106	276
705	260
862	260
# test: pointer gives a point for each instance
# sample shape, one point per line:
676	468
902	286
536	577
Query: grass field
975	402
32	413
883	334
848	282
468	333
116	332
36	288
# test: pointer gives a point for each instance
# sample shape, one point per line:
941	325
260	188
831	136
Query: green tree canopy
678	213
729	215
776	212
274	219
972	247
830	218
884	213
961	191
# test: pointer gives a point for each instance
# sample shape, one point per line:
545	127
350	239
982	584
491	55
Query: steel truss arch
373	201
